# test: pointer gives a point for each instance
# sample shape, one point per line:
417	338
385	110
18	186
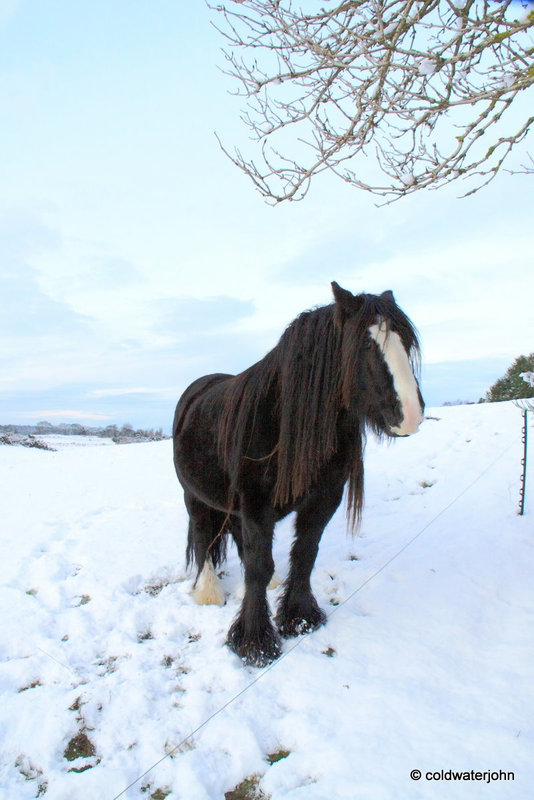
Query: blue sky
135	257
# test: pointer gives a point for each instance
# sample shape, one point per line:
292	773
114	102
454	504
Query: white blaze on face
404	381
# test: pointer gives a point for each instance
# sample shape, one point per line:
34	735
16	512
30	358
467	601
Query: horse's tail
217	549
213	546
190	549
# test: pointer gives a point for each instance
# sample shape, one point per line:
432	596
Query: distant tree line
120	435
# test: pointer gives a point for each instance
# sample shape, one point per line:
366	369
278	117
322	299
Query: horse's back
195	393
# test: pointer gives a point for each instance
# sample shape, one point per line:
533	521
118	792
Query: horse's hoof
291	625
256	651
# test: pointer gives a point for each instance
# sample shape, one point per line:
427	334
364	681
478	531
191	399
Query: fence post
522	485
525	406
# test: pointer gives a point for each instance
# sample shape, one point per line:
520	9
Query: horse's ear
343	298
346	303
388	295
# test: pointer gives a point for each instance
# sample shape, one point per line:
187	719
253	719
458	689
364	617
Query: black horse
286	435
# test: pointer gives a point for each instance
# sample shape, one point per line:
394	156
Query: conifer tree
512	386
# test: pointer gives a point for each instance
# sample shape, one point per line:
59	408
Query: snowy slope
426	661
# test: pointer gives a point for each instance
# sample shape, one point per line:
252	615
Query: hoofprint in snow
107	665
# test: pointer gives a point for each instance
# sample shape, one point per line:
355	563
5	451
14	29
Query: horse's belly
207	483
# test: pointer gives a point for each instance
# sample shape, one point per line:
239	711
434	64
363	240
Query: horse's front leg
252	635
298	611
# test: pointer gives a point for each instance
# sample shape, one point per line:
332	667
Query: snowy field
115	685
58	442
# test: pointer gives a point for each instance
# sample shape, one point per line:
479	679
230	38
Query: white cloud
131	391
64	414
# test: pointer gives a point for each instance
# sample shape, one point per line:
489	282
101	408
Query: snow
426	661
407	178
427	66
59	441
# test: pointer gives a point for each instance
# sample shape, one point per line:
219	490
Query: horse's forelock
384	307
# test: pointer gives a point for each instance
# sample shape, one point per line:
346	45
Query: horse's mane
309	379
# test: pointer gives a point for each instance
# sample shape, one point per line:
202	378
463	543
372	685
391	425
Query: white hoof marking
275	582
207	590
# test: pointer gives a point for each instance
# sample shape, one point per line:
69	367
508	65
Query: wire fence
289	650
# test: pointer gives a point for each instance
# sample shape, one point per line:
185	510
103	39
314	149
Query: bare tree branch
412	84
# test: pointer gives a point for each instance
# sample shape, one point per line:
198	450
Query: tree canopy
422	88
512	386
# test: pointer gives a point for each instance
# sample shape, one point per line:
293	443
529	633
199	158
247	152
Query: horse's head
379	352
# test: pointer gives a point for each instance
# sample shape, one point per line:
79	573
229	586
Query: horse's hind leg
206	544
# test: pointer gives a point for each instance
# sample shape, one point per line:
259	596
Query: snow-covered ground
426	662
58	441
